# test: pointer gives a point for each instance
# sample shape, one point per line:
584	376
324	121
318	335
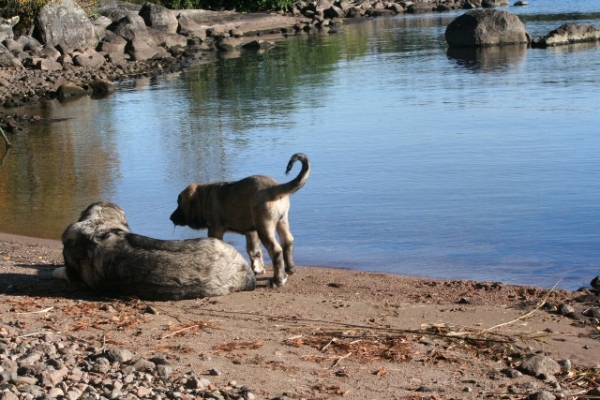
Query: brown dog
256	206
100	251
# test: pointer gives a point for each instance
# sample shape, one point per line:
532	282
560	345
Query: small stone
144	365
542	395
565	365
102	365
430	389
119	355
214	372
8	395
194	383
115	394
151	310
594	392
24	380
593	312
565	309
511	373
30	359
55	392
164	371
73	394
143	392
540	367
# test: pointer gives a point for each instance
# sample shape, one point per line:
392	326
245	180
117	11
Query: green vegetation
238	5
25	9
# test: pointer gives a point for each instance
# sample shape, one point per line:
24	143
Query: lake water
480	165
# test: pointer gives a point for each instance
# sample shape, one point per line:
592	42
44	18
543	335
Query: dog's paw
60	273
258	268
291	270
276	282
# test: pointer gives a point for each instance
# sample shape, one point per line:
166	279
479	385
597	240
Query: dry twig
540	305
45	310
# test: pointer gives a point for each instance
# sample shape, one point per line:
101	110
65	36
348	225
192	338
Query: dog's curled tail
295	184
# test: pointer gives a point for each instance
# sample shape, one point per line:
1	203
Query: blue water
479	165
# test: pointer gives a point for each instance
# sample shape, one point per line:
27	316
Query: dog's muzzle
178	218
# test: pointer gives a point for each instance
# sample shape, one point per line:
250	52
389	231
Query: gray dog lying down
100	250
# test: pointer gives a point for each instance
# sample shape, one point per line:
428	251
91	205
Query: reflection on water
50	168
477	164
488	58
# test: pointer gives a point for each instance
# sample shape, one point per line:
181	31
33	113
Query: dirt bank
329	333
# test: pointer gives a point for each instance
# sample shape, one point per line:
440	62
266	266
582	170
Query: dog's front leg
216	233
254	252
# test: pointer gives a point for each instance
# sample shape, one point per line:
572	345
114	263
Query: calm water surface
481	165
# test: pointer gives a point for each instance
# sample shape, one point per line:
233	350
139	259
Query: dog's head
108	215
80	240
189	208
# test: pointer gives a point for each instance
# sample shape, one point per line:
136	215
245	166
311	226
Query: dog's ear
186	203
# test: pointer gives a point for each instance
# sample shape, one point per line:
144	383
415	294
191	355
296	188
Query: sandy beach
328	333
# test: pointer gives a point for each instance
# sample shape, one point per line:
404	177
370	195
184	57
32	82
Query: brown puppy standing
256	206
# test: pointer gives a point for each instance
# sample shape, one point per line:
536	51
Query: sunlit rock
481	28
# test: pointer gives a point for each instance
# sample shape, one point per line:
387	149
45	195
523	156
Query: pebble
52	366
542	395
565	309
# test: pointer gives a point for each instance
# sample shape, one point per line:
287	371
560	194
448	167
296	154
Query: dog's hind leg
287	243
267	237
255	253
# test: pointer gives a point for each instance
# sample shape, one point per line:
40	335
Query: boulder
398	8
494	3
228	44
46	64
189	27
29	43
258	45
321	6
159	17
89	58
64	22
8	60
6	27
50	52
140	50
481	28
112	44
334	12
132	27
13	46
420	8
567	34
70	90
470	4
166	39
100	24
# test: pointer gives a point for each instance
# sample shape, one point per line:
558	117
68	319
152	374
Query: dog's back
171	269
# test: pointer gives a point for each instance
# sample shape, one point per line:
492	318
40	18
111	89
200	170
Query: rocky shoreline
78	56
70	57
